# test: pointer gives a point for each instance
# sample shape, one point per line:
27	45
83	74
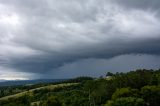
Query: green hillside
135	88
30	92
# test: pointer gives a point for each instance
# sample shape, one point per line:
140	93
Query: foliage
151	94
134	88
52	101
125	92
109	74
126	101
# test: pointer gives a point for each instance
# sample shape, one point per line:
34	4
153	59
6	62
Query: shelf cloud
54	39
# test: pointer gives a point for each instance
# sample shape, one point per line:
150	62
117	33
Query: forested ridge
134	88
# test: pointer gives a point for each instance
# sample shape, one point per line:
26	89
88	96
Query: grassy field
31	90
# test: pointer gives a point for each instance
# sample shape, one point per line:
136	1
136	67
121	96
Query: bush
125	92
126	101
52	101
151	95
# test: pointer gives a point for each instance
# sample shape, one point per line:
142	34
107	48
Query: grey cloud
146	5
143	4
97	67
44	63
45	35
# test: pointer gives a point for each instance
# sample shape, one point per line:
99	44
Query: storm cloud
54	39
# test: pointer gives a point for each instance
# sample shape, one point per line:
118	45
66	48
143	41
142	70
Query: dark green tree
52	101
126	101
151	95
125	92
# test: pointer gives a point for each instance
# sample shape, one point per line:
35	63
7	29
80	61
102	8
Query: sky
58	39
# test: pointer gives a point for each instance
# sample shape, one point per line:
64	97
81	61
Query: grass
37	103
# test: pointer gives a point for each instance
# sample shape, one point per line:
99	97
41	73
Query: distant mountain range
1	80
27	82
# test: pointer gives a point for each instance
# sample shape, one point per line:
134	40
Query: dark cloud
41	36
143	4
97	67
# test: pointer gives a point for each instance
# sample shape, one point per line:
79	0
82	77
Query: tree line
134	88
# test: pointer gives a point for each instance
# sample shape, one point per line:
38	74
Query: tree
151	95
126	101
52	101
125	92
24	100
109	74
89	86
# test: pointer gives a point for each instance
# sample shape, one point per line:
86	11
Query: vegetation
135	88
